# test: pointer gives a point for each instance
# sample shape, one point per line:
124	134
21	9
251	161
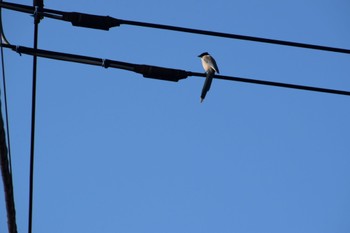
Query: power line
278	84
6	167
5	164
38	8
6	105
5	152
236	36
107	22
7	179
157	72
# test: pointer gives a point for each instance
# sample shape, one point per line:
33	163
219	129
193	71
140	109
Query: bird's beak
199	55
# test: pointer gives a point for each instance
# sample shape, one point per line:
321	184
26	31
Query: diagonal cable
5	151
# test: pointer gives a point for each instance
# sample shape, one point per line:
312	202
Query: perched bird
210	67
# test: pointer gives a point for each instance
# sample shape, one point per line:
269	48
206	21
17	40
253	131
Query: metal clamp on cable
17	49
38	10
105	63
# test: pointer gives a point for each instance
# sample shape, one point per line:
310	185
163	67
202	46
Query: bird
210	68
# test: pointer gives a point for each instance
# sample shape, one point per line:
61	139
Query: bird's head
203	54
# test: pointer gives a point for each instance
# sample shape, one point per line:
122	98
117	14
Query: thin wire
276	84
235	36
60	15
7	179
7	169
6	108
3	40
32	141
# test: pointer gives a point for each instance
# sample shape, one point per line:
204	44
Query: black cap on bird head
203	54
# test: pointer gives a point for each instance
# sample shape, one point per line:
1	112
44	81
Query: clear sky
116	152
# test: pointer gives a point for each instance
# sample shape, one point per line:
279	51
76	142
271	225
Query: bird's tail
207	84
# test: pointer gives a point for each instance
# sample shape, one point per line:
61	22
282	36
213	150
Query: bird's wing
212	63
215	66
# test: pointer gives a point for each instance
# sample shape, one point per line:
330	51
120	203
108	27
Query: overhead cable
107	22
5	153
7	180
6	106
156	72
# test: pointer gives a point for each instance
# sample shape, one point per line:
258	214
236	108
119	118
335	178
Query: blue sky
116	152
